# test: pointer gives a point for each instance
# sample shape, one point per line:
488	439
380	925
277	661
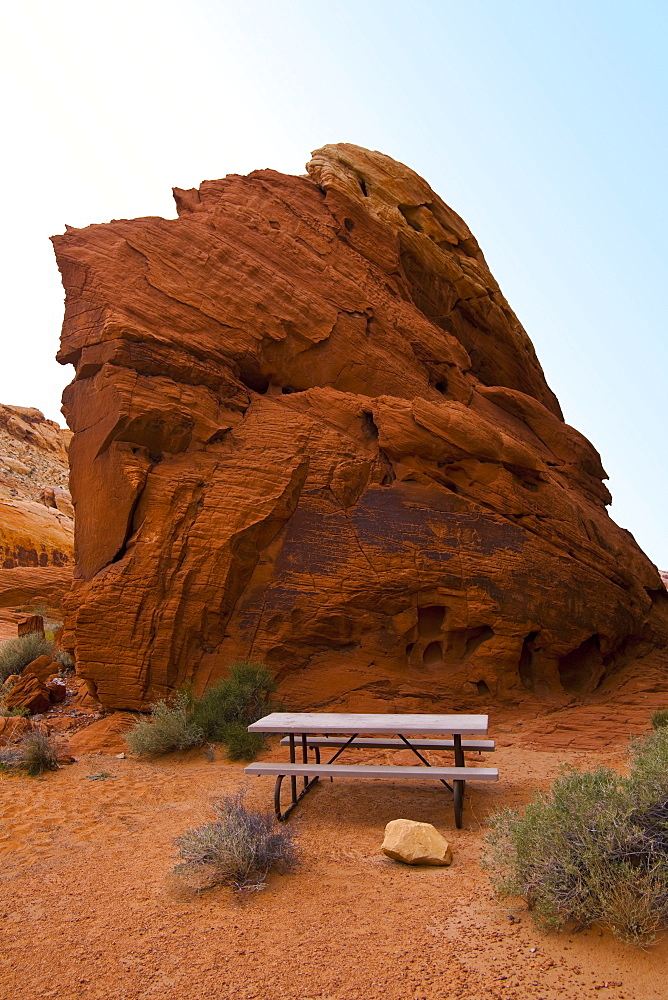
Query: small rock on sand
415	843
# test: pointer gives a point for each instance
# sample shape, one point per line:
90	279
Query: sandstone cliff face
309	430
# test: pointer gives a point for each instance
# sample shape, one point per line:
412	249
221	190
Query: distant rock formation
36	513
309	430
29	434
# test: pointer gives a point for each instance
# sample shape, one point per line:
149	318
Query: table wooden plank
342	722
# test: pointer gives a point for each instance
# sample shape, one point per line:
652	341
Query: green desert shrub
15	654
169	727
594	849
660	718
243	697
221	715
239	743
35	754
239	849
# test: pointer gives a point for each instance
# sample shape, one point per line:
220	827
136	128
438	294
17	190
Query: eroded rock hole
409	648
529	478
349	224
525	665
218	435
411	214
580	670
475	637
433	655
287	390
657	595
483	688
363	187
442	386
389	475
369	426
254	380
430	621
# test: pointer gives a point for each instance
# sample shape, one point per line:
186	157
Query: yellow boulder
415	843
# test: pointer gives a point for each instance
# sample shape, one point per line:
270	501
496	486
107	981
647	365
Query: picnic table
315	731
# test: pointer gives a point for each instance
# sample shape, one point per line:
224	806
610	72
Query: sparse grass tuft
13	713
66	662
592	850
660	718
239	849
222	714
15	654
38	608
35	754
39	753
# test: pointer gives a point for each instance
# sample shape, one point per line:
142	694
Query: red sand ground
91	909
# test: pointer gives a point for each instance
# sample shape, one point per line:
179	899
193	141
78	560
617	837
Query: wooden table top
345	722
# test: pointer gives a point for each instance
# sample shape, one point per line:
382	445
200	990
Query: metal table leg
304	756
293	779
308	784
459	785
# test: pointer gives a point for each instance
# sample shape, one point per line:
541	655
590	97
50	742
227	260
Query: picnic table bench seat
458	775
374	771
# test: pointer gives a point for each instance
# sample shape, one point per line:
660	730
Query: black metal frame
457	788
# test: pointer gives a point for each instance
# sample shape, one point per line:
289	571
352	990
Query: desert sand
91	907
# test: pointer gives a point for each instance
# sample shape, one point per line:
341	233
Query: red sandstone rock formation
309	430
30	693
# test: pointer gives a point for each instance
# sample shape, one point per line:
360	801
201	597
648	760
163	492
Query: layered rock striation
309	430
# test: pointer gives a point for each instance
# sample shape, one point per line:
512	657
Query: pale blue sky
542	123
